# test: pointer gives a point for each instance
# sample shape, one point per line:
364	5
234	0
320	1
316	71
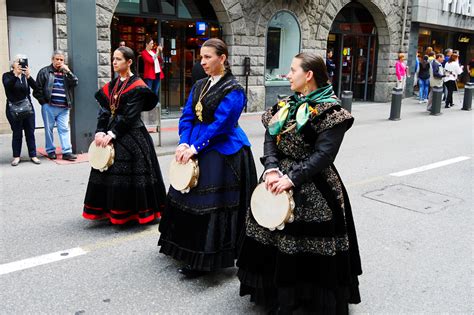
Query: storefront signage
463	39
462	7
201	28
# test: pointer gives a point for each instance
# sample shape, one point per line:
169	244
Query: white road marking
41	260
430	166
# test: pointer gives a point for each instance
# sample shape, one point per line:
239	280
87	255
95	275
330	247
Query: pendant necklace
116	94
198	108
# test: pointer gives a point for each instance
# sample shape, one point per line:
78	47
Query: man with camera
55	83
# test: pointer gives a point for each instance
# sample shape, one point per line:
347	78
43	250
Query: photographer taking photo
17	83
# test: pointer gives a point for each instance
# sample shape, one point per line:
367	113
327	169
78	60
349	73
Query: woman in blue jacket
202	227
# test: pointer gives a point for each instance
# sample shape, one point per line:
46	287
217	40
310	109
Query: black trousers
28	125
451	86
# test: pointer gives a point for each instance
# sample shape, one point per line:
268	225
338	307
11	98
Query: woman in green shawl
313	263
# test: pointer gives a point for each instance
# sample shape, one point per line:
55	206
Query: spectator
436	77
17	84
447	54
452	71
431	56
122	43
401	70
424	79
330	65
428	50
55	83
152	73
417	69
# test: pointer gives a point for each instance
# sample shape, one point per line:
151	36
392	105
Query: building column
4	63
412	51
82	49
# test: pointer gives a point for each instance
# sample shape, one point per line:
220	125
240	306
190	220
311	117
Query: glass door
172	41
356	64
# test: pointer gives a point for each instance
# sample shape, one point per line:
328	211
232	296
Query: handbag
20	109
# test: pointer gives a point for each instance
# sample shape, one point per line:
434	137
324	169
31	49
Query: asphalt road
415	230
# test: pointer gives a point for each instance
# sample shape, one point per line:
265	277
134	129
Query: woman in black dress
202	227
132	189
313	263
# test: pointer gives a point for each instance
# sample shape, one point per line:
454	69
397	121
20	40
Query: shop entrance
353	40
180	28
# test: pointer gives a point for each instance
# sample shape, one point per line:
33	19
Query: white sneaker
420	101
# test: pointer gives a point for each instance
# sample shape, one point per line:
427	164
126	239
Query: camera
23	62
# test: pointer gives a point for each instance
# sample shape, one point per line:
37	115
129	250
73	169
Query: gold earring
305	90
222	70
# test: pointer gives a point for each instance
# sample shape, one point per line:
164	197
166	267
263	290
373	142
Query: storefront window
167	7
283	43
128	7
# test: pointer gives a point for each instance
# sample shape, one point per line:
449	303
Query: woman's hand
27	72
281	185
179	151
106	140
271	178
102	139
184	156
98	138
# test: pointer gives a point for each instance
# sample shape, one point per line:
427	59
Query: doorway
353	39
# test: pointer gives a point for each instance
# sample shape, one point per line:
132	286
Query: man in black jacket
55	83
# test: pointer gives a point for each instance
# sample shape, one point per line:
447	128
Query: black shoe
447	106
69	157
189	272
52	156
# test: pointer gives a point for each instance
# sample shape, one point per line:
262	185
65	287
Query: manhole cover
412	198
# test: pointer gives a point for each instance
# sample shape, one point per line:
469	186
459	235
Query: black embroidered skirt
202	228
313	262
132	189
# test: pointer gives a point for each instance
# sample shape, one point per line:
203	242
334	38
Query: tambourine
183	177
101	158
272	211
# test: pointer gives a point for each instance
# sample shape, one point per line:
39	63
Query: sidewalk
365	113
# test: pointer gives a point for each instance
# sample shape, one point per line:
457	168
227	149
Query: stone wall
244	24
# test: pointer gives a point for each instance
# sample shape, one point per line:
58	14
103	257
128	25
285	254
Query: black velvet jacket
136	97
15	89
322	136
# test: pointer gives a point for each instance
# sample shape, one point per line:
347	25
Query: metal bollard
346	100
436	103
395	108
468	91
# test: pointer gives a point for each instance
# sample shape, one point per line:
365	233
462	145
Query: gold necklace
198	108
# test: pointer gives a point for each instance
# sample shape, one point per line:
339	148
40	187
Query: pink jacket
400	70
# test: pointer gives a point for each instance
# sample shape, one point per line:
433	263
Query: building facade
365	35
441	25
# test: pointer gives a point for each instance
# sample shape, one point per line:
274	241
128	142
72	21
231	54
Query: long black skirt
313	264
202	228
132	189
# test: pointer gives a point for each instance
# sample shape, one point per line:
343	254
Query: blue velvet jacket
223	134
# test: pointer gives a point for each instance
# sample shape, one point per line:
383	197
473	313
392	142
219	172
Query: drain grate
412	198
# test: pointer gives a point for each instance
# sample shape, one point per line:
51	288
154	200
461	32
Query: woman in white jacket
451	71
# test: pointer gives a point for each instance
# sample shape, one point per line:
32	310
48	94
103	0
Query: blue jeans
60	116
424	85
154	85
